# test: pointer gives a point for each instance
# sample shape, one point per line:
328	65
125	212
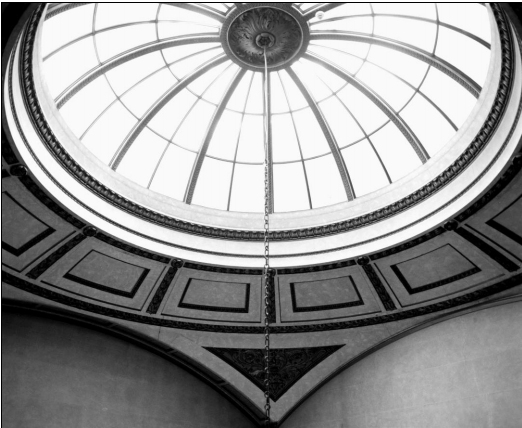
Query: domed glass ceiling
150	90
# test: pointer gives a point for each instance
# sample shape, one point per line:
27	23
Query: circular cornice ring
284	26
82	176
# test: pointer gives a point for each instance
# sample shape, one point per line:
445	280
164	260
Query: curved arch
146	342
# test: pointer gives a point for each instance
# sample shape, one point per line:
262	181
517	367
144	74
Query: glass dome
160	94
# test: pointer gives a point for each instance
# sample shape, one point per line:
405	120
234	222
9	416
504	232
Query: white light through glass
361	111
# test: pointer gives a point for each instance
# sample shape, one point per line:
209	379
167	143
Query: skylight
381	88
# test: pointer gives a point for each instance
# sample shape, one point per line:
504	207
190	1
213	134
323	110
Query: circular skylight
367	94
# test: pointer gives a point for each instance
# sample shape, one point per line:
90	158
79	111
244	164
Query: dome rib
460	77
208	136
332	143
378	101
159	104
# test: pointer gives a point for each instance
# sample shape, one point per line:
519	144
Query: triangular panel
287	365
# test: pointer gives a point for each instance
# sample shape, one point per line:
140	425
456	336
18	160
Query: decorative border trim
381	291
244	310
296	308
479	142
37	290
164	286
71	277
50	260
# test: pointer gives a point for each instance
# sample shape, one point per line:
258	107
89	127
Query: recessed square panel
434	269
216	296
108	274
325	295
21	230
333	293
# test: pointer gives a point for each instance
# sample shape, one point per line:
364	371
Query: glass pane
194	128
357	49
62	69
173	29
424	10
385	85
86	105
295	97
225	137
312	83
66	27
277	95
365	170
103	138
213	184
251	144
471	17
110	14
140	98
395	151
171	11
416	33
129	73
173	172
115	42
450	96
365	111
347	62
284	141
177	53
255	97
432	129
248	189
311	137
168	119
344	128
238	99
205	81
405	66
355	24
290	192
326	186
346	9
186	66
331	80
464	53
217	89
141	159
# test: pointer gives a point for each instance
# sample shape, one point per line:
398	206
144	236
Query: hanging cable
266	268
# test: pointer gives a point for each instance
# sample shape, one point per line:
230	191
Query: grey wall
464	372
56	374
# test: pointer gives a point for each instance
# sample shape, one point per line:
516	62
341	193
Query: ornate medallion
252	31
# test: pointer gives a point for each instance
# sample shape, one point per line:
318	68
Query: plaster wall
464	372
56	374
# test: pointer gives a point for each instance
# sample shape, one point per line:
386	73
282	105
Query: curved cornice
81	175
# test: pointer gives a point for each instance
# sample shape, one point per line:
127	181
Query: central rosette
255	30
